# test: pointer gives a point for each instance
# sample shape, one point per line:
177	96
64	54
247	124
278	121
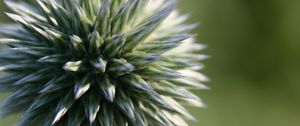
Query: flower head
99	63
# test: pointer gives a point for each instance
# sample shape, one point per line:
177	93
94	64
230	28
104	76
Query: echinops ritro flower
100	63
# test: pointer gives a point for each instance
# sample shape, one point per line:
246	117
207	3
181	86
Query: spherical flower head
100	63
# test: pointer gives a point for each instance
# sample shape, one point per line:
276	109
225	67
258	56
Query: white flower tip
79	92
59	115
72	66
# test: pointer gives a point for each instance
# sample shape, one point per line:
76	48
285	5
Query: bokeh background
254	66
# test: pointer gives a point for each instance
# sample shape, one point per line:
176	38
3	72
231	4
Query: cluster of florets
100	63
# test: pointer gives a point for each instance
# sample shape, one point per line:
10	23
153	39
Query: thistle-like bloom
99	63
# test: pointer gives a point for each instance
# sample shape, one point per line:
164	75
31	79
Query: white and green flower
100	63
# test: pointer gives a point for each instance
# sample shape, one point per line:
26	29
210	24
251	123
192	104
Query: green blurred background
254	66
